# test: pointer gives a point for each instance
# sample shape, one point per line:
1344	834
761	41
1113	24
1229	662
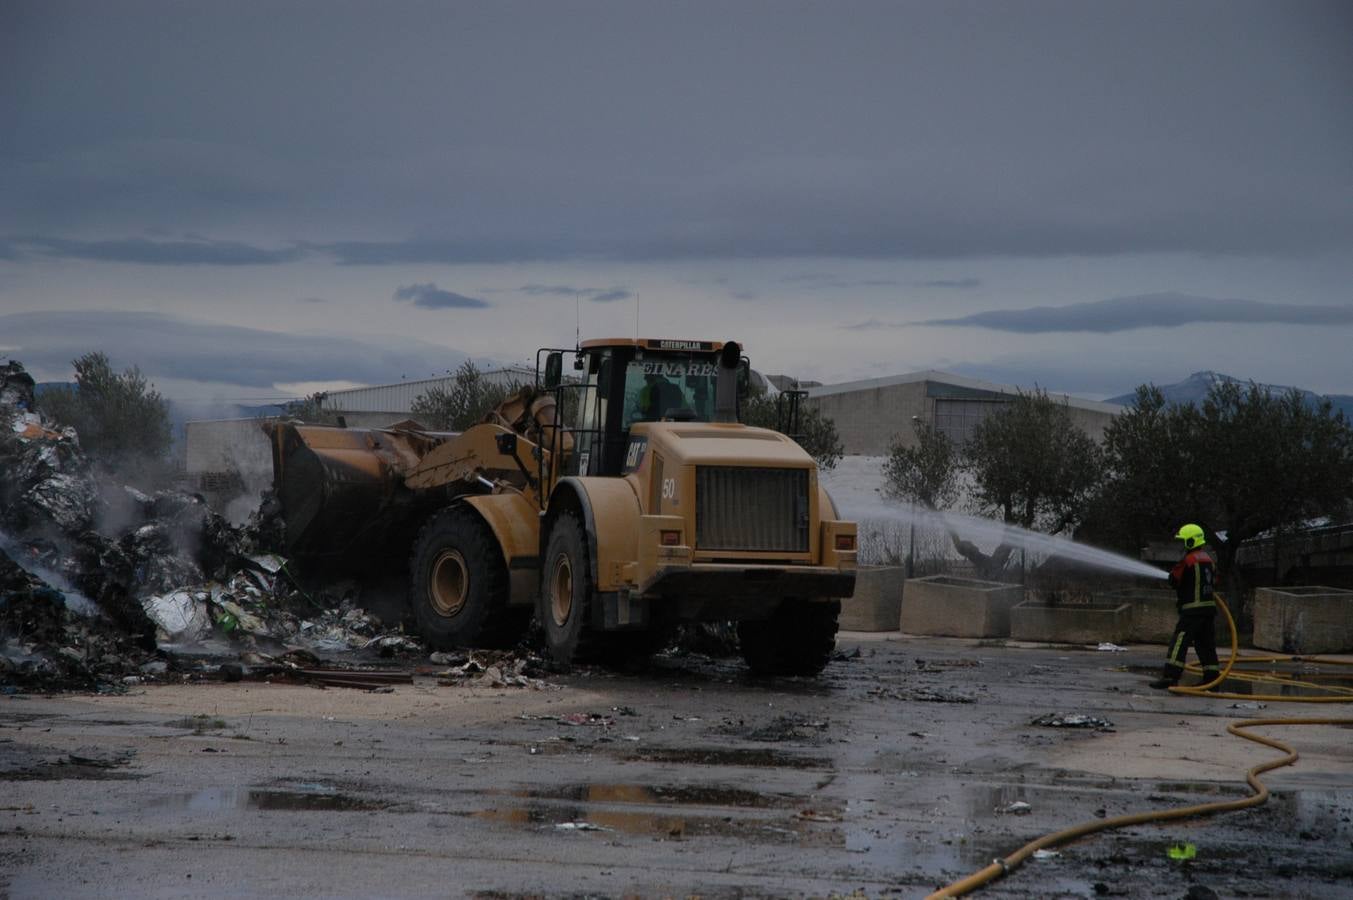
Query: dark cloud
1163	310
745	295
1131	128
872	325
313	300
825	280
429	296
192	252
956	283
450	252
173	347
597	295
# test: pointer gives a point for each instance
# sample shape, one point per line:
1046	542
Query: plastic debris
1072	720
819	815
1046	854
579	826
180	615
1111	647
1182	852
1017	808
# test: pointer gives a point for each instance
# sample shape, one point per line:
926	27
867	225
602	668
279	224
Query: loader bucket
341	489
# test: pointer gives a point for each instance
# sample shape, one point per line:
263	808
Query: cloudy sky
255	199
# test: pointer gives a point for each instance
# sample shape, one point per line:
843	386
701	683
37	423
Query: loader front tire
565	589
458	584
798	639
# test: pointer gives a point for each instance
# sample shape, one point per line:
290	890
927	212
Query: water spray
978	529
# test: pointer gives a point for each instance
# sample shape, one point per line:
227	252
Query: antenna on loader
578	322
636	314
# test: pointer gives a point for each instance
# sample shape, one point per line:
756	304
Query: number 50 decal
669	489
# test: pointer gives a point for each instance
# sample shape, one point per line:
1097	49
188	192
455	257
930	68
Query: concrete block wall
1071	623
1304	619
869	420
958	607
877	604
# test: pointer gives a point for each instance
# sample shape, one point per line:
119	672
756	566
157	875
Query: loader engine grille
738	508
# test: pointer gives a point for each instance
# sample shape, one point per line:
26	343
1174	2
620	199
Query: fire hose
1334	694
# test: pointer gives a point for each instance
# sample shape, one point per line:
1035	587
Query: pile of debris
97	578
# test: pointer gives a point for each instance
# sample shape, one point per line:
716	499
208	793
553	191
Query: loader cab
621	383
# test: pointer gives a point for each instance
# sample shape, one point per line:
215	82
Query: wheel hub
561	590
449	584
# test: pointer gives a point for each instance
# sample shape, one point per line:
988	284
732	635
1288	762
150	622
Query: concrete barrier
1071	623
1303	619
877	604
1154	615
958	607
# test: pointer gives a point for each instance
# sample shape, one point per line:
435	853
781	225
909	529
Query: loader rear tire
565	596
797	640
458	584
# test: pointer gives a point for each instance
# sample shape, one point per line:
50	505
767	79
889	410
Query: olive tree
814	432
926	473
1245	461
311	409
1028	464
466	402
120	417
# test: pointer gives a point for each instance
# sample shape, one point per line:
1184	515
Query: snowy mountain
1193	390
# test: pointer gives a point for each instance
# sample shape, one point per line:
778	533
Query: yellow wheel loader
613	505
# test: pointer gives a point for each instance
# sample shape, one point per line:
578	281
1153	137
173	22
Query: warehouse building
385	404
870	415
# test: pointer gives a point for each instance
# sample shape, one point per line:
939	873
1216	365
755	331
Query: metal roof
400	396
961	381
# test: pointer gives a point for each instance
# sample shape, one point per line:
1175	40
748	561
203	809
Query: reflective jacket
1194	578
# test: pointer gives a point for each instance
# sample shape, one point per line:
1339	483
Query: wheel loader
613	505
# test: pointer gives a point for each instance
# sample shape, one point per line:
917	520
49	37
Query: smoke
76	602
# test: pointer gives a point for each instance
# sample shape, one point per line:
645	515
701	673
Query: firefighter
1194	578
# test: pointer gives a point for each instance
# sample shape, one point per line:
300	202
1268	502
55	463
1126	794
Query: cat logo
635	455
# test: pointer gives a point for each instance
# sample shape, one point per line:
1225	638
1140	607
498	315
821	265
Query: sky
258	200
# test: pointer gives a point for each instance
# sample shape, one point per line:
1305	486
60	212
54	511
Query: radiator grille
738	508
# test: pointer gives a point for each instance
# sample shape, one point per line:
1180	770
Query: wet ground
907	765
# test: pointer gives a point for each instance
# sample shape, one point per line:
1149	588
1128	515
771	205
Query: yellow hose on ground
1004	866
1334	694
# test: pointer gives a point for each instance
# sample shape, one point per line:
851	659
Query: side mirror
507	444
554	370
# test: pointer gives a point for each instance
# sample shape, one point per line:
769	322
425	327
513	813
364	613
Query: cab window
680	388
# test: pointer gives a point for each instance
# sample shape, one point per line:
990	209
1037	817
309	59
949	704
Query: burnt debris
100	582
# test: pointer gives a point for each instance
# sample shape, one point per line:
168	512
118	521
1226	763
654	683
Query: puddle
667	826
752	758
588	807
1226	789
221	799
677	795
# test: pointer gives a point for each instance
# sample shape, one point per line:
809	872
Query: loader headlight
845	542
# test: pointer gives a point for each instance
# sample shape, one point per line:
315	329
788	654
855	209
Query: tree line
1245	462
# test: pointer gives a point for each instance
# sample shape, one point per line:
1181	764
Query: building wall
222	446
870	418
